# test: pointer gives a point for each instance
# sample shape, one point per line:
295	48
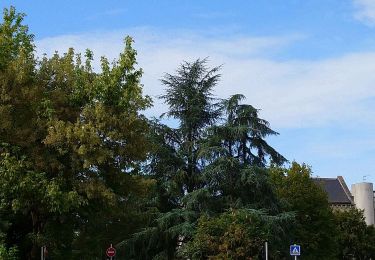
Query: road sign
295	250
111	251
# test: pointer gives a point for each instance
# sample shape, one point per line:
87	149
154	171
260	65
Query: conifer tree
174	161
190	100
205	167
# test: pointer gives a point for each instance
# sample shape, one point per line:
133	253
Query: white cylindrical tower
364	199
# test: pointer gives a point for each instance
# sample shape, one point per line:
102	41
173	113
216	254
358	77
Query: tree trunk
34	254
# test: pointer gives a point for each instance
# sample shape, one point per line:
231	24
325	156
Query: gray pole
266	249
42	250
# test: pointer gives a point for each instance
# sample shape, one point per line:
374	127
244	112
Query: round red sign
111	251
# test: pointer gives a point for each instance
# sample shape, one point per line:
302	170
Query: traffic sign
111	251
295	250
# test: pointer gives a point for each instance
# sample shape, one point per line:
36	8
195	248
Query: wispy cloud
365	11
293	93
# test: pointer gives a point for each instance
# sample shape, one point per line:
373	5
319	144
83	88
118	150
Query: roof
338	192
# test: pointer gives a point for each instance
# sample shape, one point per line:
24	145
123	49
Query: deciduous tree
314	228
355	238
71	142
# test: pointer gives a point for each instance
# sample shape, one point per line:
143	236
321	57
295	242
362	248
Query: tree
314	227
71	144
205	168
10	254
236	154
355	238
237	234
238	207
189	97
242	134
174	162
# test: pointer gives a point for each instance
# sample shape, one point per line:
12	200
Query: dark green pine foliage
242	134
213	165
175	162
242	205
237	156
190	101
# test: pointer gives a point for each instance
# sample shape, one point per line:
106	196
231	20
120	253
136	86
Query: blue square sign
295	250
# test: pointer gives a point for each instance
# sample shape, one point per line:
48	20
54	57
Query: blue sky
309	65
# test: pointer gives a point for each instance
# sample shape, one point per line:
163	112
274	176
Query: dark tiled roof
335	190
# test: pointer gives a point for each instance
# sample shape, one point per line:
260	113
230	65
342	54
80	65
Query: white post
295	257
41	253
266	249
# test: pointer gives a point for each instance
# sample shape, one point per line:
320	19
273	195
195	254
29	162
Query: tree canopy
355	238
71	142
82	168
213	166
314	227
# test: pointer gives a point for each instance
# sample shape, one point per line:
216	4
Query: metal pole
295	257
41	253
266	249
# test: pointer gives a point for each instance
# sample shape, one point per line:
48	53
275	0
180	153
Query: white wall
364	199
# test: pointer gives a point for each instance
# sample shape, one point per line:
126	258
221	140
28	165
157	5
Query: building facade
340	197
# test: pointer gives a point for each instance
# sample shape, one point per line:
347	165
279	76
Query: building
340	197
363	194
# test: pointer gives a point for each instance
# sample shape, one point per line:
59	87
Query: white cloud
292	93
365	11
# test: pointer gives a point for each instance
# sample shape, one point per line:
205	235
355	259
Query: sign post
111	252
43	253
295	250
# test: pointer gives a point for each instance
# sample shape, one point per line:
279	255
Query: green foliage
238	234
71	144
242	135
314	228
189	97
234	185
8	254
15	41
206	166
355	238
174	161
81	167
